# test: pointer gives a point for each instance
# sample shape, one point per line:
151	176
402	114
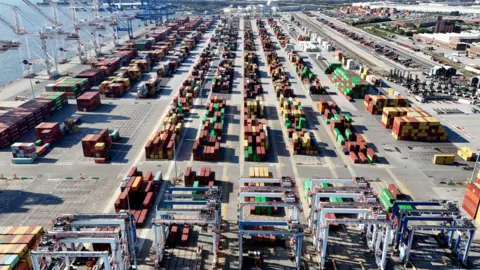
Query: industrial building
147	155
454	41
474	50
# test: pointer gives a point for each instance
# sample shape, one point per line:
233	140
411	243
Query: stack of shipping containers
256	143
162	144
138	193
303	142
207	145
342	128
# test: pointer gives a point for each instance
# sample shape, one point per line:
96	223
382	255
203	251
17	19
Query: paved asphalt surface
65	182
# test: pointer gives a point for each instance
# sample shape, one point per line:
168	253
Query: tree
400	32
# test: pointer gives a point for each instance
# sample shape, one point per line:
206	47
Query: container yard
256	139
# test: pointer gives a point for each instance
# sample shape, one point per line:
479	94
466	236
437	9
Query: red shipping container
147	202
394	191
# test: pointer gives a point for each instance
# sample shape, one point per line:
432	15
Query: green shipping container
348	134
387	194
386	203
336	132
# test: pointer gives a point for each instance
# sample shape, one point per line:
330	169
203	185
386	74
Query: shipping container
138	195
88	102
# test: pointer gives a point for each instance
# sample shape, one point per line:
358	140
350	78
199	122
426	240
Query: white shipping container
49	87
10	104
351	64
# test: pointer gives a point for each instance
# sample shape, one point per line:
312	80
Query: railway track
349	53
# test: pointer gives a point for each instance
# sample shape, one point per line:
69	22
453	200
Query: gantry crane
71	233
55	22
18	29
363	205
76	28
55	30
152	10
285	193
442	216
202	209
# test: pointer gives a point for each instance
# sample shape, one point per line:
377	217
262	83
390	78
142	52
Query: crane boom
8	24
17	29
33	6
57	8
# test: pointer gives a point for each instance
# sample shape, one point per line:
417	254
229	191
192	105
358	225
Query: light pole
474	167
25	62
175	157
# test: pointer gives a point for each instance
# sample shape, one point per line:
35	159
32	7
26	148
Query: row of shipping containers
207	145
204	178
98	145
223	79
407	123
261	172
16	242
374	104
278	32
256	143
138	193
162	145
293	116
349	83
19	120
127	64
342	128
308	78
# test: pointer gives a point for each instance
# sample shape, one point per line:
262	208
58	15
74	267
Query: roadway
422	59
64	181
406	164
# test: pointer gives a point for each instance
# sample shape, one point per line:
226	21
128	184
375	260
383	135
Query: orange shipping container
19	250
19	230
470	207
136	183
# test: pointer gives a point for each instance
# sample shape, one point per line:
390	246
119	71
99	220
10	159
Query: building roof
447	36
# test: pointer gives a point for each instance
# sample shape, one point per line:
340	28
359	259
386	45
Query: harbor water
12	68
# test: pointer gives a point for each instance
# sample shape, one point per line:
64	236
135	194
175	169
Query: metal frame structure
124	220
372	220
152	10
71	232
208	216
287	193
450	224
293	230
438	208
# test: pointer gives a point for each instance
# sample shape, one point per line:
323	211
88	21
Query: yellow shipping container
99	146
444	159
266	172
17	249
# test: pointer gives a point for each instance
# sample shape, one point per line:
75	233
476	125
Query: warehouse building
454	41
474	50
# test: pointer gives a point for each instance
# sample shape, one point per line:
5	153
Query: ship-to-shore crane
19	30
